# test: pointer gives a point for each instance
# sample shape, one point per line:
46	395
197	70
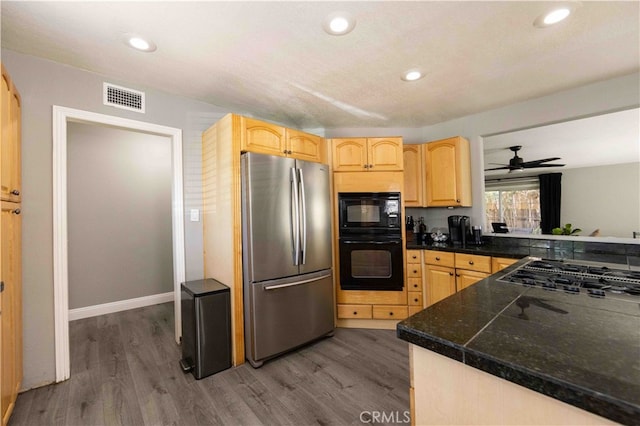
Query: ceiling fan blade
544	165
499	168
535	162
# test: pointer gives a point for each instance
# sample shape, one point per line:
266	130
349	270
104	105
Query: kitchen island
503	353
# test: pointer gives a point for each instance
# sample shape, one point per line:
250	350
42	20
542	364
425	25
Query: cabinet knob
15	192
415	286
390	314
451	273
457	201
457	275
371	166
415	300
415	271
355	312
438	259
471	262
16	211
415	257
366	166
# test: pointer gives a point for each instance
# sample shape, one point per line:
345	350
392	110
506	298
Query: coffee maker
459	229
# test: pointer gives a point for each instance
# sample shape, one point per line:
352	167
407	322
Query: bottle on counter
422	231
409	227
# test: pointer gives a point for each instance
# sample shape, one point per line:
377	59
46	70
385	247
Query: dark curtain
550	191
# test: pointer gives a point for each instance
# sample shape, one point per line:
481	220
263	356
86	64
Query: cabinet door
349	155
448	173
466	278
440	283
385	154
412	164
11	332
305	146
499	263
10	143
261	137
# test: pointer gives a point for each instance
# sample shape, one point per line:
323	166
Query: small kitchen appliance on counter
459	229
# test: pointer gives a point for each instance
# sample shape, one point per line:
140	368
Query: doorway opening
61	117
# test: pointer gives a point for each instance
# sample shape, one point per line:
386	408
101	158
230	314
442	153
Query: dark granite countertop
578	349
484	249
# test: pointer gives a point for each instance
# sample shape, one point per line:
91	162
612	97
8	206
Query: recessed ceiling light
339	23
139	43
558	13
412	75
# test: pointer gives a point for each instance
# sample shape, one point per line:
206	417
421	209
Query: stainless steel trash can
206	327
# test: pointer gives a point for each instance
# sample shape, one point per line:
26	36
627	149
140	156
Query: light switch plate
195	215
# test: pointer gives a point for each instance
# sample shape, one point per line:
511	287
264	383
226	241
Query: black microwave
369	213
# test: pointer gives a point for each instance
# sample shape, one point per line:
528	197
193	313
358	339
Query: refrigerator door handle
303	218
310	280
295	217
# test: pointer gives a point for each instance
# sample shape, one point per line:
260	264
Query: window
515	202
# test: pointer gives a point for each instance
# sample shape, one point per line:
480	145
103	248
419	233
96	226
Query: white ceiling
273	60
606	139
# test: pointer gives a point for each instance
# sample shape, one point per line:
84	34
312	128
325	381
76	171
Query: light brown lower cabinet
11	313
446	273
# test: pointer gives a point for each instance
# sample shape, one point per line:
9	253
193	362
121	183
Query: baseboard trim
121	305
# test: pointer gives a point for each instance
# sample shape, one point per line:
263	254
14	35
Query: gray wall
605	198
42	84
119	214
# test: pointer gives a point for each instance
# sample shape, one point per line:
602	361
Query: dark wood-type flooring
125	371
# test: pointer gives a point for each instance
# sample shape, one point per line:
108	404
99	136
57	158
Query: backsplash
557	249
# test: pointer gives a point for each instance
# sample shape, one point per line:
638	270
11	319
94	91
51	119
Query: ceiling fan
517	163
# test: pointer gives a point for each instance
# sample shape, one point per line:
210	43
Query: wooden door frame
61	116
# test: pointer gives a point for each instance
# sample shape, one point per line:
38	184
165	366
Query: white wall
605	198
42	84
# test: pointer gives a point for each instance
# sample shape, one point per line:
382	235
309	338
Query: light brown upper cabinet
367	154
413	175
10	176
448	173
267	138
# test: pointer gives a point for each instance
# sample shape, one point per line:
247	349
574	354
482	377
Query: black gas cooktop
576	277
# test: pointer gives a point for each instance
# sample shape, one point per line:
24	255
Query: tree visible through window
518	208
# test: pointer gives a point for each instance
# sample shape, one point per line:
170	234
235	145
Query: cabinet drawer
415	298
414	284
473	262
390	312
354	311
414	270
442	258
413	256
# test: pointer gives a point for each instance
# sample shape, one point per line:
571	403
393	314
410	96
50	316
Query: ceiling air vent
121	97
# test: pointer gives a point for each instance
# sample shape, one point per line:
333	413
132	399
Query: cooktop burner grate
597	280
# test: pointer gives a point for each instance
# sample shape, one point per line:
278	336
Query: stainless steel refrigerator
286	224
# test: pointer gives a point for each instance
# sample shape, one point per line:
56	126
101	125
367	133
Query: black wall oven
370	241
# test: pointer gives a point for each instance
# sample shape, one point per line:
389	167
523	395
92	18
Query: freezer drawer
287	314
